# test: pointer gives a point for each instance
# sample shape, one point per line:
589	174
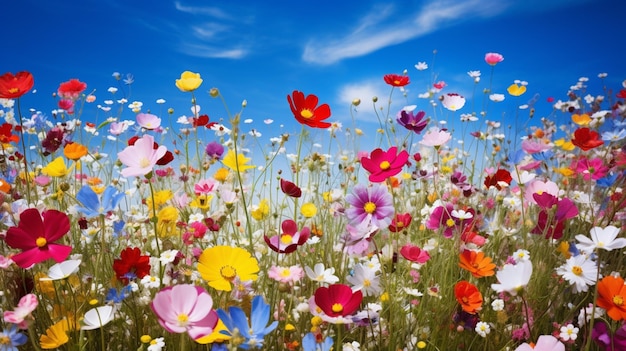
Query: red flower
14	86
500	179
468	296
306	110
384	164
131	265
289	188
202	120
414	253
621	94
396	80
71	89
5	134
290	239
36	236
400	222
338	300
586	139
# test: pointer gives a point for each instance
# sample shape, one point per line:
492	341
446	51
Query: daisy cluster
446	232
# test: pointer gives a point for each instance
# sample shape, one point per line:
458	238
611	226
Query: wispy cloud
365	91
202	10
208	51
384	27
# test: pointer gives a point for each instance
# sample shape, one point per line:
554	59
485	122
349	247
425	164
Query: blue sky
339	50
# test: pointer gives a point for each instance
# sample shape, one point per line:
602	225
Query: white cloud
382	28
205	10
366	90
206	51
208	31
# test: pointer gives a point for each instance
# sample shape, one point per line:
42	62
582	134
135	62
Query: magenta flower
36	237
290	239
539	187
373	205
336	302
590	169
414	254
411	121
205	187
435	137
384	164
141	157
549	223
21	315
441	217
185	308
148	121
493	58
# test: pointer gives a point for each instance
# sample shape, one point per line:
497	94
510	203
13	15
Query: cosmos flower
74	151
601	238
290	238
435	137
141	157
501	179
414	254
56	335
14	86
98	317
586	139
372	205
11	338
384	164
611	297
321	274
335	301
148	121
493	58
92	206
220	265
185	308
364	278
580	272
237	162
396	80
512	278
131	264
452	101
468	296
36	237
21	315
544	343
306	111
412	121
476	263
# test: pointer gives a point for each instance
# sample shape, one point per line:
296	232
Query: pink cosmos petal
59	252
57	225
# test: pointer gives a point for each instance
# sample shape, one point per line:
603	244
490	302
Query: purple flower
602	336
214	150
411	121
373	205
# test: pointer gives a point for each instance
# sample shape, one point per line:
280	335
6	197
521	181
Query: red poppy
5	134
586	139
14	86
289	188
338	300
131	265
36	237
621	94
71	89
500	179
396	80
306	110
400	222
414	254
468	296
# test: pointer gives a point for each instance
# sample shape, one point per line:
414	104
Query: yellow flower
160	198
262	211
581	120
566	172
216	335
56	335
308	210
221	175
188	81
516	90
563	249
236	163
202	201
57	168
565	145
167	218
220	265
74	151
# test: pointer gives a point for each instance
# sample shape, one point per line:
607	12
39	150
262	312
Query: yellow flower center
337	307
397	82
41	242
384	165
450	222
285	273
4	340
286	239
182	319
618	300
144	162
577	270
306	113
13	91
369	207
367	283
228	272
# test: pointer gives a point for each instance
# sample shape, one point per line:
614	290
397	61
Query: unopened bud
214	92
356	102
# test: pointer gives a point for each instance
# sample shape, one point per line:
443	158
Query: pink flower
185	308
452	101
532	146
384	164
435	137
414	254
289	240
289	275
205	187
493	58
140	157
24	308
539	186
36	237
148	121
544	343
590	169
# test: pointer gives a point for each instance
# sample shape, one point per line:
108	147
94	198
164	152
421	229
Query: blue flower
309	343
236	322
92	206
11	338
117	297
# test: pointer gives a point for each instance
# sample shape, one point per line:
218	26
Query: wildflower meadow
435	230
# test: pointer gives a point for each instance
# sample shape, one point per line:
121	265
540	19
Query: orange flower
612	297
5	187
468	296
581	120
74	151
477	264
14	86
